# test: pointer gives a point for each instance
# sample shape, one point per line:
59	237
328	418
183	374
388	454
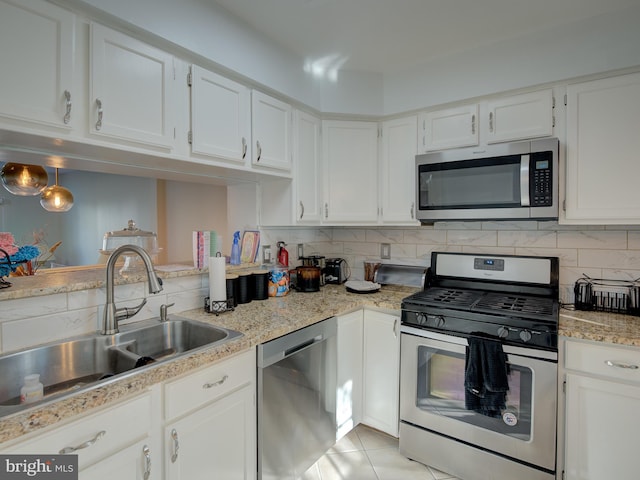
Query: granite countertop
261	321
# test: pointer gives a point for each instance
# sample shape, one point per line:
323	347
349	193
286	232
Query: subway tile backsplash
595	250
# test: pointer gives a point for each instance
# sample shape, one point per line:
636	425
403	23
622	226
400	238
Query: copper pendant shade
56	198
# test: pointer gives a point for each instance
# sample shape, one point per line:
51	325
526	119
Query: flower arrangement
24	260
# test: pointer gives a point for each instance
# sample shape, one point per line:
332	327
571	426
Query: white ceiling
390	35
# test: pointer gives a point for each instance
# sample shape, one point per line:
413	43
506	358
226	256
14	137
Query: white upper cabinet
350	171
501	119
449	128
37	64
220	116
271	131
519	117
307	176
397	167
132	88
603	141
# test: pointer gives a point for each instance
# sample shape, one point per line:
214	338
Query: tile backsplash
611	252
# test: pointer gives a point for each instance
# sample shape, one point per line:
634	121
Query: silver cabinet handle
395	326
147	462
99	122
67	115
491	121
86	444
326	210
215	384
473	124
259	151
628	366
176	446
244	147
413	206
301	210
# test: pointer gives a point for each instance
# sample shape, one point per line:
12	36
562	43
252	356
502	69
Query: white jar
32	390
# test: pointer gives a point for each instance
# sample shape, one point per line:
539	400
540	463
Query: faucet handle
163	311
123	313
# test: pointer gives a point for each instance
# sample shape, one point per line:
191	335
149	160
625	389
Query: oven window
441	391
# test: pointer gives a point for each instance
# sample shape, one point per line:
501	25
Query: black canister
260	284
233	289
245	287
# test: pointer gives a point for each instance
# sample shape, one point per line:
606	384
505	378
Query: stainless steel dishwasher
296	400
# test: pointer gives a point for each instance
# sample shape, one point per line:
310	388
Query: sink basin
161	341
86	361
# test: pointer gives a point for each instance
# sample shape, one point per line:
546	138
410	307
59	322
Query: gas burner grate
448	297
515	304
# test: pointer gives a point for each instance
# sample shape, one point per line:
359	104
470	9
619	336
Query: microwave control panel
541	179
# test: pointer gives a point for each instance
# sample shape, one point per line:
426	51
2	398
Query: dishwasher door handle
303	345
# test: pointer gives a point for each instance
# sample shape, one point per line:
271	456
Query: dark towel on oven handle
486	375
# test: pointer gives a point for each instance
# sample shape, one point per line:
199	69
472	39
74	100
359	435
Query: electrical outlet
385	251
300	250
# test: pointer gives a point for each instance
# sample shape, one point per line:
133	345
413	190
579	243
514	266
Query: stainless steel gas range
478	390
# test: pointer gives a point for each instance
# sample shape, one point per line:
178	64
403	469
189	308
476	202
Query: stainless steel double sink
84	362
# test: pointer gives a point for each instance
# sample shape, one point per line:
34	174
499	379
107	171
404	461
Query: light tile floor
367	454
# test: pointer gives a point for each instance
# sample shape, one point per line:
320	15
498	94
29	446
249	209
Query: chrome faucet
113	315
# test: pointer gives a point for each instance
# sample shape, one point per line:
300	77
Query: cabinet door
137	462
131	87
449	128
381	371
217	441
350	171
349	391
602	424
307	175
270	131
37	63
520	116
397	165
602	151
220	116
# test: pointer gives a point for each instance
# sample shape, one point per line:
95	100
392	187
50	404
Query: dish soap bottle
32	390
235	249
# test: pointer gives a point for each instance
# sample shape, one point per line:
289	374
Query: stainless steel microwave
503	181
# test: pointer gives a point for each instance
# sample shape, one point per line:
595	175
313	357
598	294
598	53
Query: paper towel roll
217	279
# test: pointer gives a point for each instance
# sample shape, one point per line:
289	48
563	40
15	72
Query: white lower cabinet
349	389
210	422
381	359
368	371
601	411
207	430
118	442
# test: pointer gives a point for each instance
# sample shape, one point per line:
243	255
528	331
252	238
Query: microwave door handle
524	180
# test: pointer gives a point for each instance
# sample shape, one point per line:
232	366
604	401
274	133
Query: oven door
432	397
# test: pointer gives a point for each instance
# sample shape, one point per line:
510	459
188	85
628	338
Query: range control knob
421	319
525	335
503	332
438	321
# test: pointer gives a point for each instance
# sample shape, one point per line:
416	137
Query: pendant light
56	198
24	180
